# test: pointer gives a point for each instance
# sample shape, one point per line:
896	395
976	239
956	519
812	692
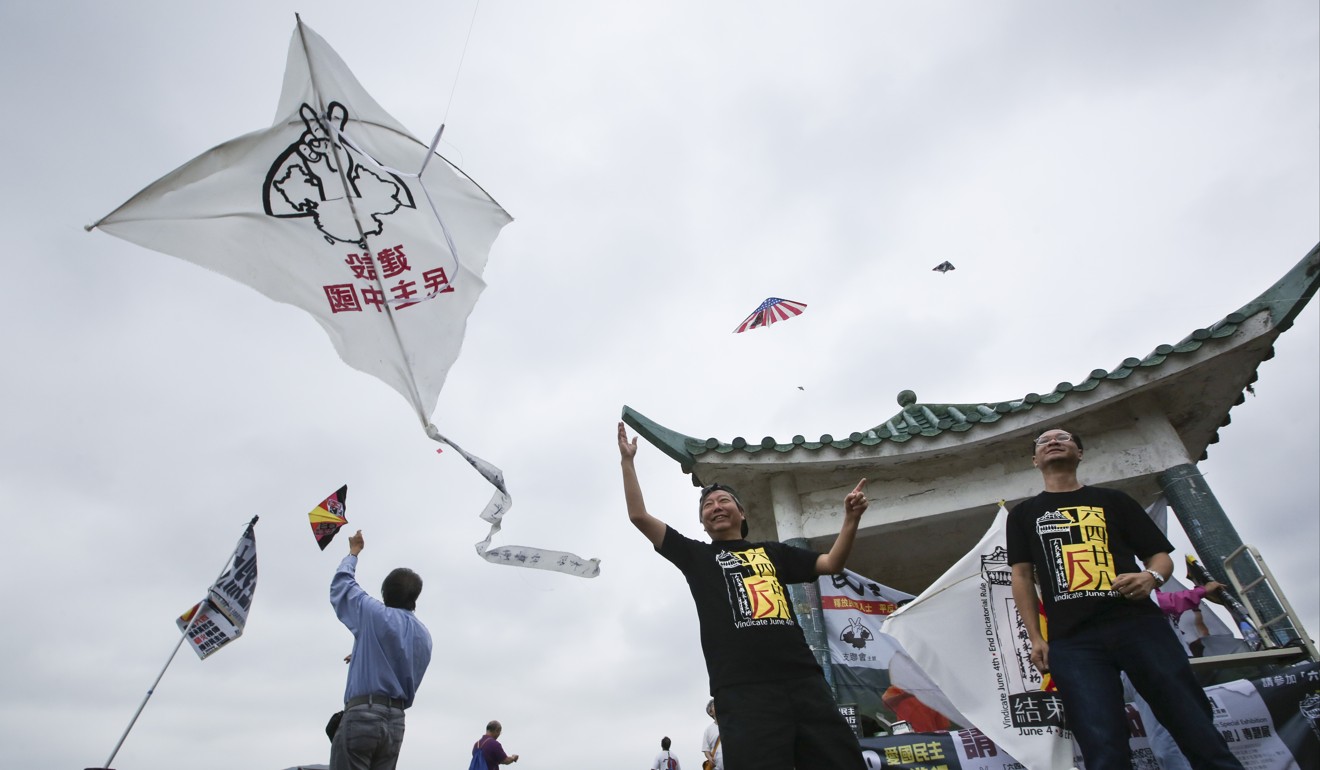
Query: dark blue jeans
1086	668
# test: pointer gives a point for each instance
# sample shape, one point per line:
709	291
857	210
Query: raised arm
854	504
346	596
653	528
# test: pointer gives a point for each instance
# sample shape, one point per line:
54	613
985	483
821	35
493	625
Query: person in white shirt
665	760
710	742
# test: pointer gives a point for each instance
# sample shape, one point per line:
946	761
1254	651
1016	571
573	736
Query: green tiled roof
1283	301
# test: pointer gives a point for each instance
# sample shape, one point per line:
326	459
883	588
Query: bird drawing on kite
773	309
315	212
944	267
329	517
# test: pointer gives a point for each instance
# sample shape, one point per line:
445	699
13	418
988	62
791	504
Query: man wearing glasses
776	711
1081	544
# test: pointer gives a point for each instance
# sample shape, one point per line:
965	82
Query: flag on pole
218	619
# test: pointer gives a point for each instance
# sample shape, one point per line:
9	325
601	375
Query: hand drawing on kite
394	265
302	181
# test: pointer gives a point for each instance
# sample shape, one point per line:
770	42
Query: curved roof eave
1283	301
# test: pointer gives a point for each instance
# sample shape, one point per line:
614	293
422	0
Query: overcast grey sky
1105	176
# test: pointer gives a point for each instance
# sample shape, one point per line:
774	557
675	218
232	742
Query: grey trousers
369	738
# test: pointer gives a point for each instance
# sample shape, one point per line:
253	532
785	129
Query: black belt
379	700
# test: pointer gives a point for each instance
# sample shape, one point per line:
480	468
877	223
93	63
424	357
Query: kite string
461	57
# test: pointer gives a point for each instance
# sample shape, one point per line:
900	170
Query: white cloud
1135	171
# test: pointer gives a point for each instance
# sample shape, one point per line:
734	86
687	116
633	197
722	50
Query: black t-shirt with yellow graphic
748	630
1079	542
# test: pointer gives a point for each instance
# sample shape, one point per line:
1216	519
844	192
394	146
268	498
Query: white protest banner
1271	723
854	609
219	619
964	632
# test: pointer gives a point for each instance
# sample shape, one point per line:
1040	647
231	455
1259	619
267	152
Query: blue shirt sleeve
391	647
346	595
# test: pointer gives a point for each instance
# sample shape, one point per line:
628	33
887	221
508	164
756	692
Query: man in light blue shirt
391	650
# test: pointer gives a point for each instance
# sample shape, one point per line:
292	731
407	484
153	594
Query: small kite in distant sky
328	517
944	267
773	309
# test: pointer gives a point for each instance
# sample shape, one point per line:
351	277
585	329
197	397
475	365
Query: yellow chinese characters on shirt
764	591
1076	542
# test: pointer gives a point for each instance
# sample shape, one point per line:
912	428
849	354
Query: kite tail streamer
500	502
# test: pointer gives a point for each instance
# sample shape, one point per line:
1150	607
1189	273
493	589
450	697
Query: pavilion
939	471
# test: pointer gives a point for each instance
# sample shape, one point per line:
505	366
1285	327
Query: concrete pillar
1213	537
805	596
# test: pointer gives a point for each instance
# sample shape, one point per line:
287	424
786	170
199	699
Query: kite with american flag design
773	309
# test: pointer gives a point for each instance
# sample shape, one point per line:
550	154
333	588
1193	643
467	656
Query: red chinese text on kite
773	309
386	264
329	517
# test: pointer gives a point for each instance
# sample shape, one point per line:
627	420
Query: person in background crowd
710	741
490	748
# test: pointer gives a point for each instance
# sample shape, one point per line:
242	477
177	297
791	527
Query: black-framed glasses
1062	438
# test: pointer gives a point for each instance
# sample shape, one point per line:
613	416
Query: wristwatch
1159	579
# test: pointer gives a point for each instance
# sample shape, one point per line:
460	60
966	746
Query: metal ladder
1267	579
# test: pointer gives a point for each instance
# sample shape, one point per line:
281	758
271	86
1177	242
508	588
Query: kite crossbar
347	140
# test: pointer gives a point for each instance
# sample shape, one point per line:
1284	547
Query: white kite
315	212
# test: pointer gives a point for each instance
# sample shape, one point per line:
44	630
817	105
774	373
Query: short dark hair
1076	437
664	743
494	725
713	488
401	589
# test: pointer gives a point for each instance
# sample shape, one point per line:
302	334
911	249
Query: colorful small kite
773	309
944	267
328	517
